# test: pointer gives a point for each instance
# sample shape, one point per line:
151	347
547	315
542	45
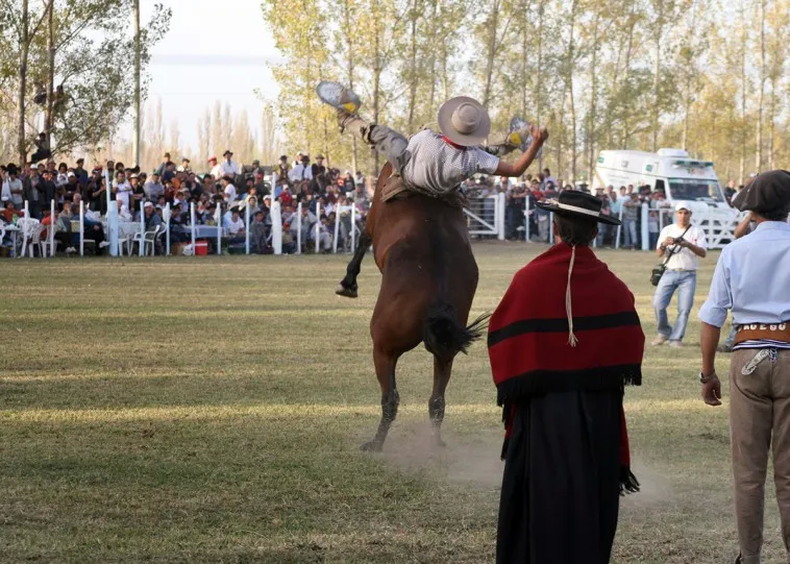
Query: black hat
579	205
228	152
766	192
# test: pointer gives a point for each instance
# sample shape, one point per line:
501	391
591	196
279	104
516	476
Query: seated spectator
208	185
42	149
178	225
152	219
92	226
288	240
259	234
63	232
228	188
235	225
10	211
123	212
153	188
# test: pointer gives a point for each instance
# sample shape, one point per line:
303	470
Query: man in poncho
563	342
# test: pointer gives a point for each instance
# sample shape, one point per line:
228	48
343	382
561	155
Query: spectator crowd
627	200
223	194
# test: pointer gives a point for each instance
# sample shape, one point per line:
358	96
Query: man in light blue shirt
752	279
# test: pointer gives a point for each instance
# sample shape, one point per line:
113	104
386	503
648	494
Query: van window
659	187
692	189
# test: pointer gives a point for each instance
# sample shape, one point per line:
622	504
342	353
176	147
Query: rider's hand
539	134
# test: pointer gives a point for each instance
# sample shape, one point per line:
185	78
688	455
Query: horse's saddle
395	188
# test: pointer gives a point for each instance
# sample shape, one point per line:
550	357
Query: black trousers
561	491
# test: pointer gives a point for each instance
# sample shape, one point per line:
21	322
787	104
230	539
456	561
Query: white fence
486	216
718	232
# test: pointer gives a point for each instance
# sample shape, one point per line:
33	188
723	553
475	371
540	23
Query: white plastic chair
149	239
47	247
30	229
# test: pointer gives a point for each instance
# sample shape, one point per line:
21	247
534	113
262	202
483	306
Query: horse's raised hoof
371	446
347	292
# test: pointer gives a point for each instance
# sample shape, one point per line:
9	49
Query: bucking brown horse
429	278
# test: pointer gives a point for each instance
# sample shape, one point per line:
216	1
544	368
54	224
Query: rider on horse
435	164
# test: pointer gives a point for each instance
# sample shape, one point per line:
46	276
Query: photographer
686	244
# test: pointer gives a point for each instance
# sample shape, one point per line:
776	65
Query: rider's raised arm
539	136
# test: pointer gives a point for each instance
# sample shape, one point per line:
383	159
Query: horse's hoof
439	443
346	292
371	446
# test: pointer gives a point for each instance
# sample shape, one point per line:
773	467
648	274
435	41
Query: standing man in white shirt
302	171
683	244
122	189
228	166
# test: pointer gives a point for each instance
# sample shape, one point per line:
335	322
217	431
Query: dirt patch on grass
469	459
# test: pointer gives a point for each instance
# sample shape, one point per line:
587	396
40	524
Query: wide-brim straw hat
464	121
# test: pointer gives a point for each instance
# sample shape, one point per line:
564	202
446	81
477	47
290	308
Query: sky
214	50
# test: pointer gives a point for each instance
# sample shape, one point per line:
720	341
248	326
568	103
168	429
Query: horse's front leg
348	285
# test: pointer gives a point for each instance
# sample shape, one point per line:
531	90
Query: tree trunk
491	54
569	81
758	159
628	52
742	164
539	77
593	102
771	125
348	29
413	66
137	78
50	121
657	74
524	55
376	80
20	102
432	59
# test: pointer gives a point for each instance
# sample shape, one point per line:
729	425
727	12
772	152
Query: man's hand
539	135
669	241
711	391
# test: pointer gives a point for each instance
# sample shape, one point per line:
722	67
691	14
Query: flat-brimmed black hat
766	192
575	204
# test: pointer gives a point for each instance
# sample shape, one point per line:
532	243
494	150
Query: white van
680	177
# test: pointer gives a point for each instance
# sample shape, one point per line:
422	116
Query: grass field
210	410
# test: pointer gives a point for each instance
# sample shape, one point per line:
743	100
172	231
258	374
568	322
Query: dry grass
210	410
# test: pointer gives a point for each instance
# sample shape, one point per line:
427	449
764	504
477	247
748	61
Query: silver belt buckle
751	366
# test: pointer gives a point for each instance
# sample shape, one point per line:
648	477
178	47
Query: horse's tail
444	336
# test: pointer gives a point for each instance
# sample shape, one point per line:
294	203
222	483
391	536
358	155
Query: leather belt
762	331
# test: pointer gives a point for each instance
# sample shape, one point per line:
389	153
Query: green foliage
659	66
94	60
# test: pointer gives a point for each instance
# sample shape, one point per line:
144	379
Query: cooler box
201	248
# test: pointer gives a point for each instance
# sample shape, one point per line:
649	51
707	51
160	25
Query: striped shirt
438	167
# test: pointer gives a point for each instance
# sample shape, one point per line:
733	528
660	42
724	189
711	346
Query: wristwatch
705	379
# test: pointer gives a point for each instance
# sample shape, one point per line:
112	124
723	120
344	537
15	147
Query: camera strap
675	248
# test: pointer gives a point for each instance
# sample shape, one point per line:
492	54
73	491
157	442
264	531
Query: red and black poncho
528	340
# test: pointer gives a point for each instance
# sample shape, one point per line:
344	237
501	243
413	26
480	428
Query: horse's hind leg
348	286
441	377
385	372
